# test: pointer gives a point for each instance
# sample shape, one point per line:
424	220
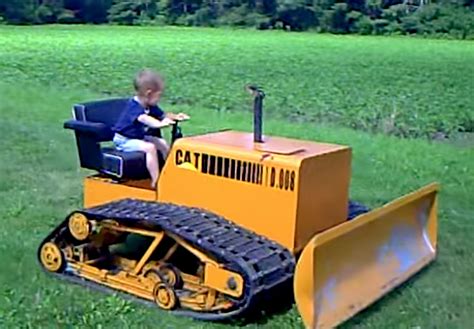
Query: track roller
165	296
170	275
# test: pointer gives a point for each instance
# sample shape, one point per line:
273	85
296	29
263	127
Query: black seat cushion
124	164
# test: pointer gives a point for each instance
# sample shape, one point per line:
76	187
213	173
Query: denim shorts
125	144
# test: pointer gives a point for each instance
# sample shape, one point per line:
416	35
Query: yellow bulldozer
236	219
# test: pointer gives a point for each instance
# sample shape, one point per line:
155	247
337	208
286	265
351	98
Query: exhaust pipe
258	96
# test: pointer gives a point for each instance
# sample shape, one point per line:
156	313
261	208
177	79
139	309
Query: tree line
450	18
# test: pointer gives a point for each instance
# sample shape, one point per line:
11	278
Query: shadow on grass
279	302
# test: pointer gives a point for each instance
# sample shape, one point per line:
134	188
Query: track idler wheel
170	275
165	296
79	226
51	257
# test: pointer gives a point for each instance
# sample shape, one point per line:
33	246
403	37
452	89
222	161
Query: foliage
133	12
436	18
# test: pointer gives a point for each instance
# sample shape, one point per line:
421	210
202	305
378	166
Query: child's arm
154	123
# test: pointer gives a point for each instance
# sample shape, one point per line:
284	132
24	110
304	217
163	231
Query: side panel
323	194
347	268
240	186
98	191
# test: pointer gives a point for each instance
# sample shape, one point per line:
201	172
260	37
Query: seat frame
92	125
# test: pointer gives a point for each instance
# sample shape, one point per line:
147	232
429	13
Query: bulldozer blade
345	269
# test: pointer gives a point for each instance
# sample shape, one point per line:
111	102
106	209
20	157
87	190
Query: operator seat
92	125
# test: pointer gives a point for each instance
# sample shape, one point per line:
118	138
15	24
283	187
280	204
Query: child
142	112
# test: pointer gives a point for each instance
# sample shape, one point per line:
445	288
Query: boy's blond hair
147	79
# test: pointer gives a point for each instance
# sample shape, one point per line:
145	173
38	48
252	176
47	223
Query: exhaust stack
258	96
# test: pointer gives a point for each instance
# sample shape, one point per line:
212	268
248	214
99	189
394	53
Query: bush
363	25
455	21
380	26
242	16
297	18
353	17
160	20
183	20
204	17
132	13
256	20
67	17
44	14
394	13
126	17
430	12
411	24
146	20
394	28
234	16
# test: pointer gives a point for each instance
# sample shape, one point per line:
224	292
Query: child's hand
182	116
167	122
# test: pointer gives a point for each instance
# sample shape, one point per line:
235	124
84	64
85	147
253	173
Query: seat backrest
105	111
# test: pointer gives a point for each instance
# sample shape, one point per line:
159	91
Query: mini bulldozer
235	219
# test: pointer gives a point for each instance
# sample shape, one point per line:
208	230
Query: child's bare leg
160	144
151	162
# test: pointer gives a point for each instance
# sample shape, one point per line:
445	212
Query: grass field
347	81
403	86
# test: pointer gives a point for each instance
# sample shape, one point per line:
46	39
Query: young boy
142	111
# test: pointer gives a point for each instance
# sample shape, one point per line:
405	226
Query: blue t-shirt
127	125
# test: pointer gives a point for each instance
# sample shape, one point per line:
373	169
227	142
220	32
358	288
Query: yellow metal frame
132	278
99	190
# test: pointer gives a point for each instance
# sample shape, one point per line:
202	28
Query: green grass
403	86
44	72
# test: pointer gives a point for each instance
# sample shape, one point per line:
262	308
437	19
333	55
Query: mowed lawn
318	87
